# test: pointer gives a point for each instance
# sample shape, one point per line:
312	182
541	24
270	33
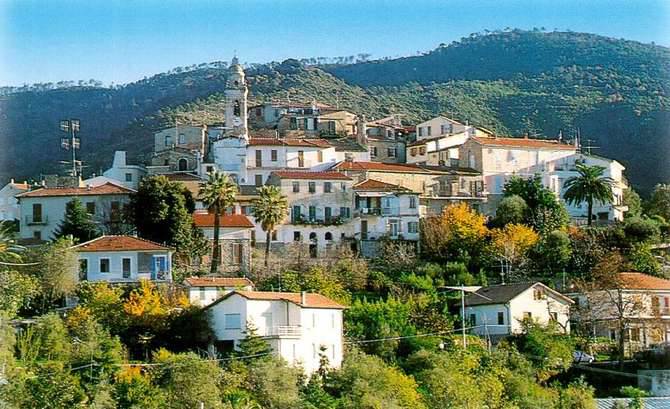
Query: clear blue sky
122	41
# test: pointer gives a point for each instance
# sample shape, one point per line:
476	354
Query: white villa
120	259
296	325
203	291
9	205
499	310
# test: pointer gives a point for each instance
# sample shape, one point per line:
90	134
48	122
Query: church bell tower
236	102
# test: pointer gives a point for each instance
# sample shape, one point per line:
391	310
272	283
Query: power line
367	341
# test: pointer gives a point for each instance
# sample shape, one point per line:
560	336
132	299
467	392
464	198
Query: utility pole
71	142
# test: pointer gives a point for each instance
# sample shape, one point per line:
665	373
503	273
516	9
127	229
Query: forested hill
614	91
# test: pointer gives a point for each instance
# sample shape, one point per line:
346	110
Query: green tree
577	395
252	345
10	252
270	209
544	212
77	223
511	209
589	186
659	202
56	264
547	347
552	254
52	385
218	193
133	390
274	384
17	290
632	200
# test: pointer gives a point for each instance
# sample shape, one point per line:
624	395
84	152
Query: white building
438	141
9	205
121	173
499	310
296	325
203	291
123	259
42	210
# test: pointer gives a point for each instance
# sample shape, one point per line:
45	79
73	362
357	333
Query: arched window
329	236
236	108
313	246
183	164
312	237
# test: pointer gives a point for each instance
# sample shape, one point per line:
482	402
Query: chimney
303	298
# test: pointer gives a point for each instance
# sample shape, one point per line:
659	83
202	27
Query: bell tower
236	102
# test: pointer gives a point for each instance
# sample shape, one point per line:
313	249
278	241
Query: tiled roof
522	143
640	281
380	166
503	293
119	243
182	177
297	174
312	300
226	220
378	186
104	189
218	282
305	142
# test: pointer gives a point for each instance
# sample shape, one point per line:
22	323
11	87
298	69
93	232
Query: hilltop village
314	235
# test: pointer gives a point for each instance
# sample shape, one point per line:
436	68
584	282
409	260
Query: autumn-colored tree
457	233
511	244
145	303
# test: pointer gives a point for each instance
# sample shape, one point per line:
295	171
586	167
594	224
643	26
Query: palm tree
218	193
270	209
589	186
9	250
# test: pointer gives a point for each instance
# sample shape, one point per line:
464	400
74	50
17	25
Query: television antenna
71	143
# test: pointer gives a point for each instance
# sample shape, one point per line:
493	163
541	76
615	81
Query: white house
122	173
499	310
123	259
295	325
42	210
235	236
438	140
9	205
203	291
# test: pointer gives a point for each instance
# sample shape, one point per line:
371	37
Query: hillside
614	91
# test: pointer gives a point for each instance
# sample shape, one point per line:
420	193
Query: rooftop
379	186
523	143
503	293
297	174
380	166
119	243
298	142
641	281
312	300
202	219
104	189
218	282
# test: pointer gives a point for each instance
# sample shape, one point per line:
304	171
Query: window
37	235
37	212
393	228
328	213
420	131
412	227
635	334
168	140
297	236
296	187
83	268
182	164
236	106
104	265
259	180
473	319
428	130
312	212
391	152
319	156
237	253
327	187
422	150
412	152
613	334
182	139
501	318
446	128
273	155
328	236
274	236
412	202
129	177
537	294
232	321
115	211
345	212
301	159
125	265
90	208
553	316
259	158
343	186
296	216
202	291
312	187
373	151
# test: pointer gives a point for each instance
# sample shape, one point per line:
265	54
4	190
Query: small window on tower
236	107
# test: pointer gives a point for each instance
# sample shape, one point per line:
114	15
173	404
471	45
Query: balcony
284	331
369	211
31	220
307	221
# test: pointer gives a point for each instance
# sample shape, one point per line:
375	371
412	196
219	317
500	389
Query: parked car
580	357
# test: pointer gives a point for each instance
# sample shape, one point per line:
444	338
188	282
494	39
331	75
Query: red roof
218	282
380	166
296	174
104	189
306	142
119	243
226	220
522	143
312	300
641	281
377	185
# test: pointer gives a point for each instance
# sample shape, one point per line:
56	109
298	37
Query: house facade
179	149
9	205
121	173
203	291
42	210
121	259
235	236
297	326
500	310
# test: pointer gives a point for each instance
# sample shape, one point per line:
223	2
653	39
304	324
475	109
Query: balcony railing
32	220
290	331
370	211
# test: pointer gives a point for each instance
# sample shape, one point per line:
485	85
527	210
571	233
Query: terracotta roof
522	143
226	220
182	177
377	185
306	142
104	189
119	243
218	282
297	174
312	300
503	293
641	281
380	166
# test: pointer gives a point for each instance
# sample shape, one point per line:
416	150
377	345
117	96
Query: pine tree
77	223
253	345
